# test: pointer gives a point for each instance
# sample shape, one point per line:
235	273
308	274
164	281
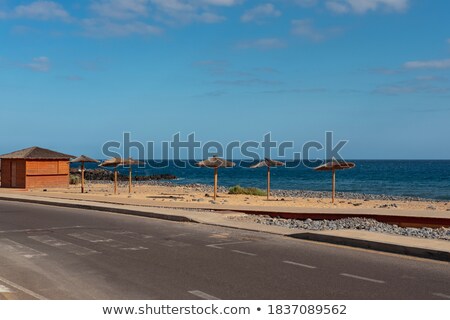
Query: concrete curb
374	245
105	209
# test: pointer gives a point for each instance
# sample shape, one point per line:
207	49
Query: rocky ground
349	223
342	196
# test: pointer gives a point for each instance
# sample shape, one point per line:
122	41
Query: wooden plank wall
47	174
20	173
36	173
52	181
6	173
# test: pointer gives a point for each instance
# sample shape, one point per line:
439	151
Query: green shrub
249	191
74	179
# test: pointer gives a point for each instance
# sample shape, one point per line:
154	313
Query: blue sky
75	74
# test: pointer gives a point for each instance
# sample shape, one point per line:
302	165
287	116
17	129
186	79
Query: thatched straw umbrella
82	159
333	166
215	163
116	162
268	163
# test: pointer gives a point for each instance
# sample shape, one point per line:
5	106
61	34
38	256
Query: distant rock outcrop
107	175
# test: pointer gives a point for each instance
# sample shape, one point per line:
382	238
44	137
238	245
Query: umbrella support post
129	181
115	180
268	183
215	183
333	186
82	177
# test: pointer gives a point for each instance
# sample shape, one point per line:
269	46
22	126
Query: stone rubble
350	223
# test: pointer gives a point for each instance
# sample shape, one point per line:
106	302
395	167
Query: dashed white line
131	234
179	235
24	290
361	278
244	253
219	245
300	264
64	245
36	230
93	238
203	295
4	289
19	249
441	295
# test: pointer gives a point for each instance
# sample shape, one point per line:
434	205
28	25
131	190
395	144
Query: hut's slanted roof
36	153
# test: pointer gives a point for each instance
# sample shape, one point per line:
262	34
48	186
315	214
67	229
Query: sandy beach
165	193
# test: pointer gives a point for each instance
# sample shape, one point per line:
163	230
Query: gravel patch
350	223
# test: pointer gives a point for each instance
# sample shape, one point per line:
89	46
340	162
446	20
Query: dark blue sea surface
415	178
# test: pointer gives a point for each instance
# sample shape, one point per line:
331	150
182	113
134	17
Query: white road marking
106	241
24	290
219	245
172	243
203	295
37	230
441	295
67	246
246	253
4	289
90	237
361	278
300	264
179	235
130	234
19	249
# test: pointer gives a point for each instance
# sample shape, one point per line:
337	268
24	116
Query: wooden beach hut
35	167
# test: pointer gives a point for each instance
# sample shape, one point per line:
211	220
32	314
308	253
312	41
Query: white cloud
411	89
306	3
104	29
428	84
120	9
264	44
305	28
337	7
428	64
41	10
260	12
248	82
39	64
223	3
187	11
208	17
364	6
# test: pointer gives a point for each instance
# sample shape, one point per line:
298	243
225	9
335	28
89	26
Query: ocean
415	178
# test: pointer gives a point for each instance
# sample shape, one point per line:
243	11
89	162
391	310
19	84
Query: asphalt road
59	253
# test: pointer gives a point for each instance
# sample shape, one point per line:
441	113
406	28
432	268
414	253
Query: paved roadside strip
124	209
411	246
423	248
